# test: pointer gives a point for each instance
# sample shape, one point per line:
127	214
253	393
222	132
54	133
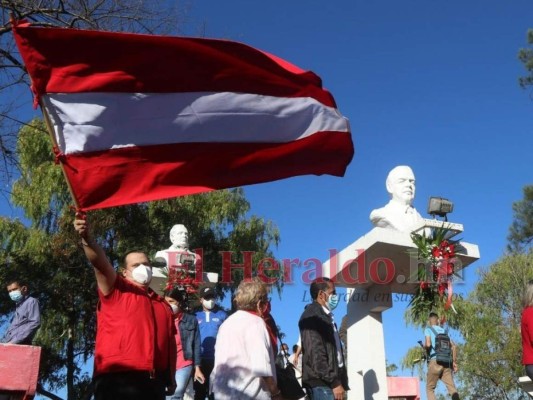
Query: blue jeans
322	393
182	379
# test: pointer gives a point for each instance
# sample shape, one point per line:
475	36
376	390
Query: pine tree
46	252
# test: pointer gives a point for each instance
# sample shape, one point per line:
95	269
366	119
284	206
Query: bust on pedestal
175	263
373	268
178	254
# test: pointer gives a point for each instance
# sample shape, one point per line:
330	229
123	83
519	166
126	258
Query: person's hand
455	369
80	225
170	389
338	392
199	376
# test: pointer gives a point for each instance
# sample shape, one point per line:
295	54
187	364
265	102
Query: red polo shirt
527	336
135	331
181	362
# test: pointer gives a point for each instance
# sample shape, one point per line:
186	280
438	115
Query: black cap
207	292
177	294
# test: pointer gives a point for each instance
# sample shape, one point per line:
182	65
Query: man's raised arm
103	270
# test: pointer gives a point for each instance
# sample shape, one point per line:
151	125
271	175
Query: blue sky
433	85
429	84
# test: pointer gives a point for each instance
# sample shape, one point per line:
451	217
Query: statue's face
179	236
401	185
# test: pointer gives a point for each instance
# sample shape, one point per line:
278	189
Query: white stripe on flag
86	122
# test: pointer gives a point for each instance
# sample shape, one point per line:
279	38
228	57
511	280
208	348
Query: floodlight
439	206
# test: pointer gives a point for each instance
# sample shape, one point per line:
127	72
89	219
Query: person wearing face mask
135	351
324	368
244	359
210	318
282	356
187	343
27	317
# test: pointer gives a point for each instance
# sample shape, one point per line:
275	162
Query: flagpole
58	159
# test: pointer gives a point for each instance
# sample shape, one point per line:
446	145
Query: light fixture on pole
439	206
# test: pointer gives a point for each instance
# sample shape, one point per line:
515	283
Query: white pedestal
385	257
382	262
367	375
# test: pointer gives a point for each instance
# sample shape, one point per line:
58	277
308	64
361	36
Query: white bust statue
398	213
179	237
178	253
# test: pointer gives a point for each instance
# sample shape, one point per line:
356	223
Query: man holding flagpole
135	352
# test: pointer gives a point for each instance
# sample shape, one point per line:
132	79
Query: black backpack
443	348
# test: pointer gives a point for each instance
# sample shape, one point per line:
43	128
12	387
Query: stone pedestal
385	257
382	262
366	344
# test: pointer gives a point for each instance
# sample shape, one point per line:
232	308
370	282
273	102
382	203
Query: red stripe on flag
71	60
140	174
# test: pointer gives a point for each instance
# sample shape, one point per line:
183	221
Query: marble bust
399	213
178	254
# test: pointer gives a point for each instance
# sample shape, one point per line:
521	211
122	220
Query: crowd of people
149	347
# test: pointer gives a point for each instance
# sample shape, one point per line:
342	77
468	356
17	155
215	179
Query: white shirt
338	344
243	354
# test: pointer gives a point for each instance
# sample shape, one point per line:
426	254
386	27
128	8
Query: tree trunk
46	393
71	365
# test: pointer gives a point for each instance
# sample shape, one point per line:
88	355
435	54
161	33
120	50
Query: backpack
443	348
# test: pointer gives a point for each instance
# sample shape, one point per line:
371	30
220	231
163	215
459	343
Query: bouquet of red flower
182	278
436	267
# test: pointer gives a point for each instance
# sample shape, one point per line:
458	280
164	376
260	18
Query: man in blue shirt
209	320
27	317
435	370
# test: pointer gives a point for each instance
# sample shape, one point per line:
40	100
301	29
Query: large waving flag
137	118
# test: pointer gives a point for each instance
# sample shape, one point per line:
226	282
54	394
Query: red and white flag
137	118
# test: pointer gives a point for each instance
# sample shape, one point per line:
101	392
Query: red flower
450	269
451	250
442	288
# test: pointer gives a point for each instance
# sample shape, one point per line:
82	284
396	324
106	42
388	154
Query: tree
146	16
526	57
390	368
521	230
414	359
48	253
489	322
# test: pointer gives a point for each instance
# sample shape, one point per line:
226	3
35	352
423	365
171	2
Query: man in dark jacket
324	370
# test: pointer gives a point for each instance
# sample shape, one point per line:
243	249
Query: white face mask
142	274
209	304
175	308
